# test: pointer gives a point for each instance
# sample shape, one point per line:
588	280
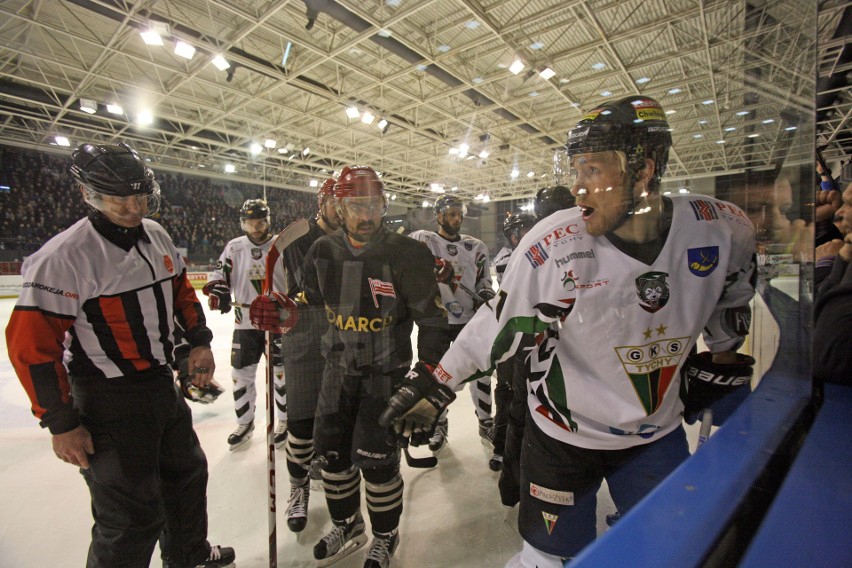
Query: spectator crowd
37	200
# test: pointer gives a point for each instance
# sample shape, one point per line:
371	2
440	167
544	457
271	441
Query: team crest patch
549	521
256	253
453	250
703	261
653	291
167	262
651	367
380	288
468	246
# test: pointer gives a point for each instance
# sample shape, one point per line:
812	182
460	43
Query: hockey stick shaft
417	463
704	429
286	237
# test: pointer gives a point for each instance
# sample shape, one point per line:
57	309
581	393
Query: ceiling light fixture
89	106
221	63
145	118
517	66
270	143
382	124
150	37
255	148
115	109
185	50
230	168
353	112
367	118
62	141
547	73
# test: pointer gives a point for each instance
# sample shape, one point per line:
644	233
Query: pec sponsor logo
51	290
574	256
729	210
551	495
703	261
560	233
168	263
536	255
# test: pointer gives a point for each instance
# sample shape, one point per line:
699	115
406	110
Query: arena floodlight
89	106
183	49
221	63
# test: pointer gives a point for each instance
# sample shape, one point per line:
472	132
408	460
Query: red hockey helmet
326	190
358	181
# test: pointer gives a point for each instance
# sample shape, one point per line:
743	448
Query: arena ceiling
736	76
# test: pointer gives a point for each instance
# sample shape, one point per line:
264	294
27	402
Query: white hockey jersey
501	261
469	258
243	266
613	332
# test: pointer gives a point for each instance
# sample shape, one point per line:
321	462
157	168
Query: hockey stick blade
418	463
291	233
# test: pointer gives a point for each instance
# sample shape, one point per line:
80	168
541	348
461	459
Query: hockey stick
704	429
287	236
417	463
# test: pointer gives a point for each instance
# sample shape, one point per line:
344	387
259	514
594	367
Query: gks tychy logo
651	368
703	261
653	291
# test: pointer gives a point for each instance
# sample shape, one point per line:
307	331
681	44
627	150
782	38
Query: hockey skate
439	437
297	506
280	435
240	436
486	432
496	462
218	557
382	549
345	538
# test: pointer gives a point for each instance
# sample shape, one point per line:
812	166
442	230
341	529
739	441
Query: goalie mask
116	182
255	220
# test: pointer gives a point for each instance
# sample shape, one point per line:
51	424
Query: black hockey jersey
371	295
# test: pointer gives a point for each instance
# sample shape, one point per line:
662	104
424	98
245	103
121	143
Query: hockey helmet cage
515	222
326	190
635	125
445	202
549	200
115	170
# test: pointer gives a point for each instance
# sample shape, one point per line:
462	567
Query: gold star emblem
661	330
647	333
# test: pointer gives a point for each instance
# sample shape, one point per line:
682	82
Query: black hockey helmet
115	170
549	200
635	125
254	209
515	222
446	201
112	169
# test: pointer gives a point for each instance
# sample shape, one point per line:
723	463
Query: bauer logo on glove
706	382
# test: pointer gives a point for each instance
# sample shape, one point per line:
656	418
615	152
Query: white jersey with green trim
501	261
469	258
613	332
242	265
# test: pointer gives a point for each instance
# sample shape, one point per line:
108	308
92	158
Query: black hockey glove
218	296
706	382
202	395
485	294
417	404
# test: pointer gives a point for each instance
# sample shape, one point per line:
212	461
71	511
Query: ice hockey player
373	285
515	227
113	286
549	200
463	273
240	271
303	362
622	286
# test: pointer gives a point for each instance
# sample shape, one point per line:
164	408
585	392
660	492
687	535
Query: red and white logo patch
380	288
167	262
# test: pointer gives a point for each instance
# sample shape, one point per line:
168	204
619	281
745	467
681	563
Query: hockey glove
417	404
202	395
218	296
706	382
485	294
274	312
444	272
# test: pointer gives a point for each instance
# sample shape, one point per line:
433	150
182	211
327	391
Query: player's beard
450	229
